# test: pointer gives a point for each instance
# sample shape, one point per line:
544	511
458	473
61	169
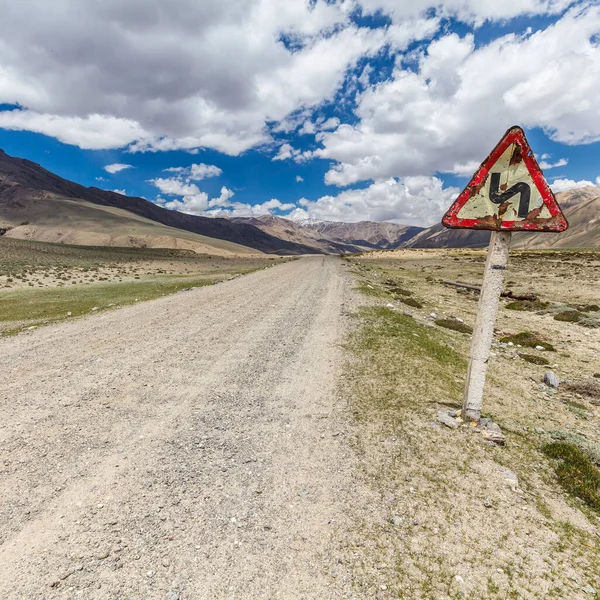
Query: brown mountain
366	234
334	237
37	204
581	206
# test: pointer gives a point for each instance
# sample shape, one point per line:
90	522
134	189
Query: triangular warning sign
508	192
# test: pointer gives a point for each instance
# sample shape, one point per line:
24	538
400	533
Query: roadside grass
394	346
454	325
434	521
47	305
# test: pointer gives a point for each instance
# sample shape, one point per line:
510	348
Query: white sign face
507	193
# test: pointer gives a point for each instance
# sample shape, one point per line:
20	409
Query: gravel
194	420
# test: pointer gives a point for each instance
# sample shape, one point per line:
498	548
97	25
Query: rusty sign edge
557	221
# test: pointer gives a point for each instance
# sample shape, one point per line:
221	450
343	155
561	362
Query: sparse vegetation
411	302
454	325
528	339
530	305
576	472
534	358
570	316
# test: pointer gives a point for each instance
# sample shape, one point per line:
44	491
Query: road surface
186	447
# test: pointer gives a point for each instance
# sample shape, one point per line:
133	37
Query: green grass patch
530	305
34	306
570	316
528	339
392	347
411	302
401	291
534	359
454	325
370	290
576	472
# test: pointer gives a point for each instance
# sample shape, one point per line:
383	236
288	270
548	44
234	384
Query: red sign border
556	223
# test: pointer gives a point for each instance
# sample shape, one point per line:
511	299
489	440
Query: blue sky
341	110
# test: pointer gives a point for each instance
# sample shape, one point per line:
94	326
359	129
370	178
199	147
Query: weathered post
507	193
483	331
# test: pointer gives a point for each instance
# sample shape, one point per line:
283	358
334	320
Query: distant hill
334	237
39	205
581	206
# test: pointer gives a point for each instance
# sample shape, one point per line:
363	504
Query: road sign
507	193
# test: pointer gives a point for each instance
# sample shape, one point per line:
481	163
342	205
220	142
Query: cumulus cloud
174	75
450	110
562	185
91	132
117	167
299	178
173	186
122	192
196	172
410	200
561	162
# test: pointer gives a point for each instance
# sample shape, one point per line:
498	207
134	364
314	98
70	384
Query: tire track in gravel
180	448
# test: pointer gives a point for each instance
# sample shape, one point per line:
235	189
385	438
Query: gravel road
186	448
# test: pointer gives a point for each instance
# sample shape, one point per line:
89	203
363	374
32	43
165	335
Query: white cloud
562	185
470	11
174	75
299	178
175	187
222	206
196	172
451	110
331	123
561	162
122	192
411	200
308	128
117	167
92	132
286	151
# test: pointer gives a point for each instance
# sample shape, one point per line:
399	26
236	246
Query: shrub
570	316
411	302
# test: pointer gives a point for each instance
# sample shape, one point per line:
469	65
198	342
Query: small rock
487	503
396	520
458	579
588	589
447	420
540	348
165	562
494	436
432	316
389	305
172	595
511	479
551	379
69	314
150	574
102	555
95	308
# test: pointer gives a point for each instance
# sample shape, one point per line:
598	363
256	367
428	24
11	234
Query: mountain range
38	205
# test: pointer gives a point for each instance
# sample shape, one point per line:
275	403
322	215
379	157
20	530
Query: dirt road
183	448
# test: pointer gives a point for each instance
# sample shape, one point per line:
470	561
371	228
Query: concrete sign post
507	193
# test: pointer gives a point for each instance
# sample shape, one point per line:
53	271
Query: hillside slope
57	209
581	207
335	237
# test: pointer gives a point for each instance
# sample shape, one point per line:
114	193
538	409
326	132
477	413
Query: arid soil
187	447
